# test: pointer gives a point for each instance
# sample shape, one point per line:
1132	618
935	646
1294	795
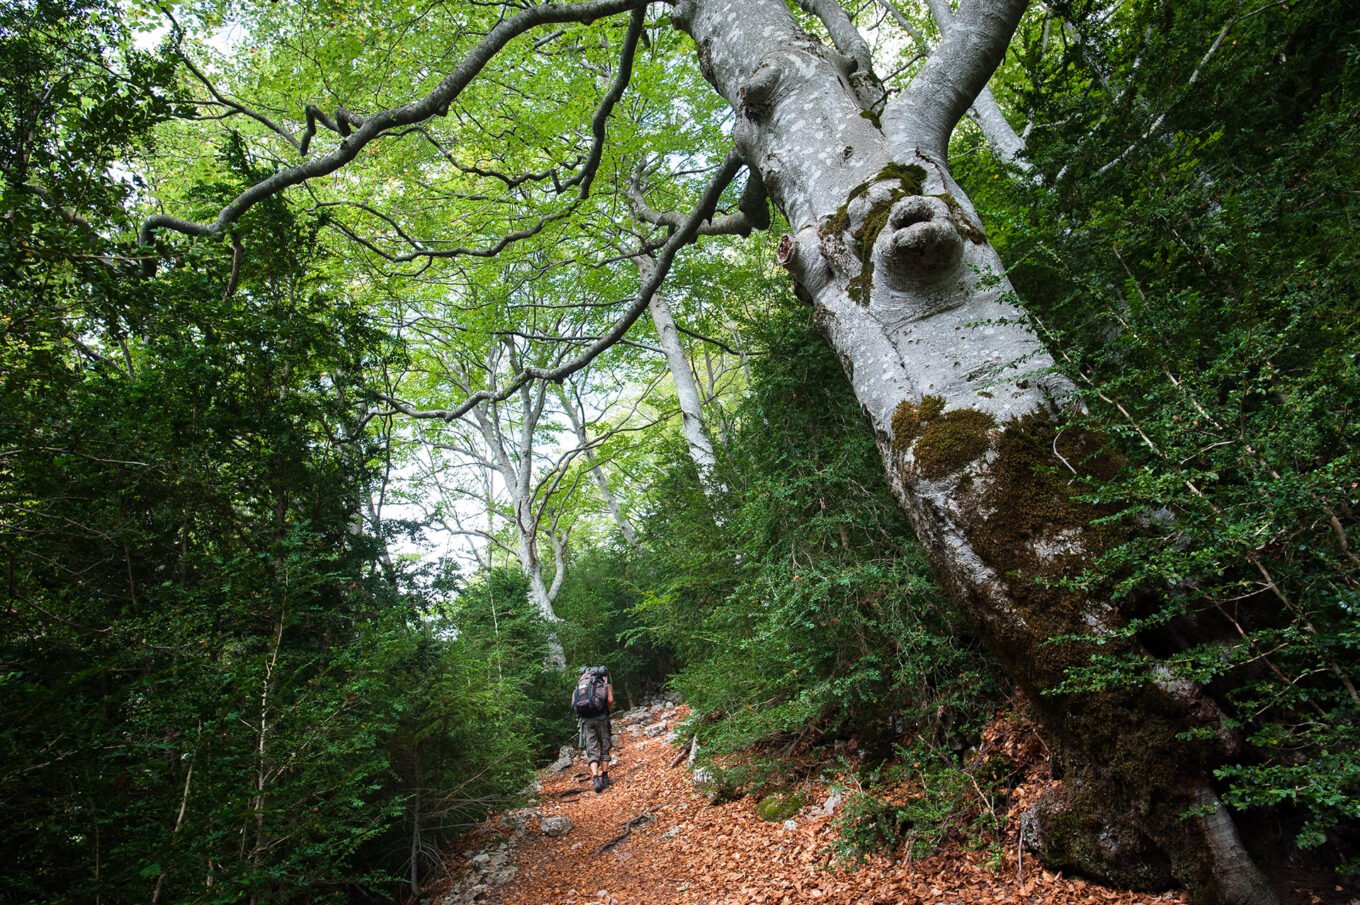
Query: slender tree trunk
964	404
686	389
257	803
517	472
539	593
597	472
415	822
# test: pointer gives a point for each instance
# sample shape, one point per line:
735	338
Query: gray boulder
565	755
554	826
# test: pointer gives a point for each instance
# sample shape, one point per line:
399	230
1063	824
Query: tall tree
963	398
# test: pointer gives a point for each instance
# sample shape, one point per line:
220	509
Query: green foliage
493	616
599	625
777	808
1190	247
923	800
797	601
213	691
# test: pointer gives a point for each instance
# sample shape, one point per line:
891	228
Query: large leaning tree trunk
966	409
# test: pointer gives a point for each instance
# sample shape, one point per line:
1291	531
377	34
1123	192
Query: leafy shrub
923	800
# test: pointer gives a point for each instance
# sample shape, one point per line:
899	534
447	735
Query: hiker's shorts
595	734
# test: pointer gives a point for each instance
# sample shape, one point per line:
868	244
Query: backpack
591	697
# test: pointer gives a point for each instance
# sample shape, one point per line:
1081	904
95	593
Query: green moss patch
910	419
945	442
952	442
778	808
1032	495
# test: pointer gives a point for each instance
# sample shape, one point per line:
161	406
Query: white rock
554	826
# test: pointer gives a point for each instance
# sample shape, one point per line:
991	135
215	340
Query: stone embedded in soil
554	826
565	755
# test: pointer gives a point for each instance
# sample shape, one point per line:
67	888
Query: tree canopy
844	366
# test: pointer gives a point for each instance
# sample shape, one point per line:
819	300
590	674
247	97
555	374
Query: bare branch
857	61
905	23
420	250
1189	84
753	210
620	84
843	32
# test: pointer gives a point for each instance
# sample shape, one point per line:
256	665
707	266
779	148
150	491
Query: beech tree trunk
966	407
686	390
517	472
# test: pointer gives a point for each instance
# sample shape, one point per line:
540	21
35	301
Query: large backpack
591	697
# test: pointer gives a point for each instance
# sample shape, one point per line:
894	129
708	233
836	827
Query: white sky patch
225	39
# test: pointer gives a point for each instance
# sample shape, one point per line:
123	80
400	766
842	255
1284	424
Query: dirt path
683	851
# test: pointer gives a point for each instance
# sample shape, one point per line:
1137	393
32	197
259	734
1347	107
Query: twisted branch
382	123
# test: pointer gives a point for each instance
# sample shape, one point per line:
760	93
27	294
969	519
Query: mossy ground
778	808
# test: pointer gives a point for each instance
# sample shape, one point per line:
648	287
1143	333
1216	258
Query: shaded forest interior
273	632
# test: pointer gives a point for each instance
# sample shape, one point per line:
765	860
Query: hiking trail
654	839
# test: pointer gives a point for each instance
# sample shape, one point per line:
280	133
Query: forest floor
679	849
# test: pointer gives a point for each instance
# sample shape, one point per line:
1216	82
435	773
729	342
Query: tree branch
683	236
218	96
601	118
924	115
753	210
382	123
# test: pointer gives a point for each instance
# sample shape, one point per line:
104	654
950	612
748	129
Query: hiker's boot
598	783
605	781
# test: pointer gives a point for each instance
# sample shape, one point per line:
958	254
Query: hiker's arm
609	687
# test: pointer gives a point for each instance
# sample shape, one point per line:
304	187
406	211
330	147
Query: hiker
591	700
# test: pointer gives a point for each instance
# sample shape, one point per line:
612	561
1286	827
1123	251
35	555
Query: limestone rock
565	755
554	826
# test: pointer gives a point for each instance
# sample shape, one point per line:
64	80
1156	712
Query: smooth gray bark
514	459
686	390
915	302
1001	137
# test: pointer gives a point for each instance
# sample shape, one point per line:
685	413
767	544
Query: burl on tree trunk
965	405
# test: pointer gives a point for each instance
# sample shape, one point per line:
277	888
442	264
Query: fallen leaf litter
653	839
